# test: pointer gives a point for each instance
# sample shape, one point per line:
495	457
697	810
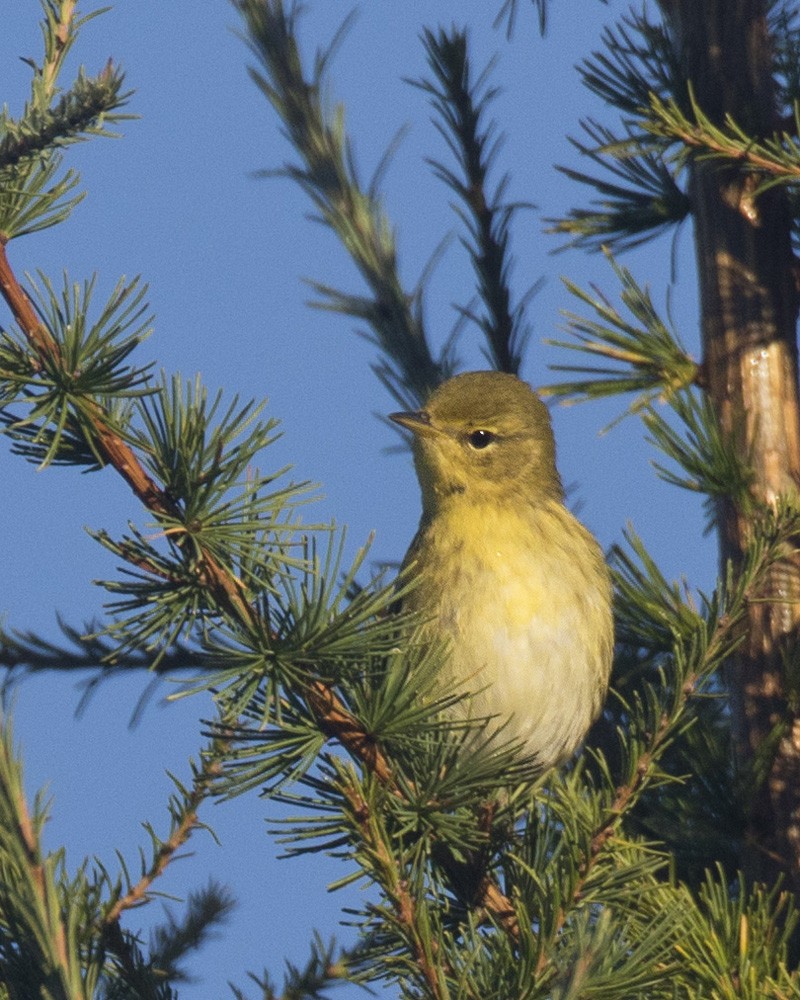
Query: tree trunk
749	309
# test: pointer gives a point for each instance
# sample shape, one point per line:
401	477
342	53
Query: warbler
503	571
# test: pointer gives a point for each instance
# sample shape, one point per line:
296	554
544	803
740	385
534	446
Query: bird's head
486	437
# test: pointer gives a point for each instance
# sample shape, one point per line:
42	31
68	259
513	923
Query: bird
503	573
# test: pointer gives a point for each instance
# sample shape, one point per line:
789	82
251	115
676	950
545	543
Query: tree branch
332	717
424	947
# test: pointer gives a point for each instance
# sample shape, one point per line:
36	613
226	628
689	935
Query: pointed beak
416	421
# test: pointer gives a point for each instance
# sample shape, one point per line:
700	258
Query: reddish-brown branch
332	717
697	138
37	333
622	798
133	558
337	723
113	448
33	858
210	769
395	887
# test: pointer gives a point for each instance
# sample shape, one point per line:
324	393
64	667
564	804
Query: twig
696	138
396	888
337	723
166	852
63	29
33	854
704	135
624	793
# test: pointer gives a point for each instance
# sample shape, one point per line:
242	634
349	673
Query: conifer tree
662	862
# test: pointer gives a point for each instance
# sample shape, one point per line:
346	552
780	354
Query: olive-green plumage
507	574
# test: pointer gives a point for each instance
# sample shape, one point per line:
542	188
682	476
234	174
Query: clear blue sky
224	254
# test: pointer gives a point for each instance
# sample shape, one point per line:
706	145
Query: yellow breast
525	602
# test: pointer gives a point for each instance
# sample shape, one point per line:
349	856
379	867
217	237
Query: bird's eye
480	439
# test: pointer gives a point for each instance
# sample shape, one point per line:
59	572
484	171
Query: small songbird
502	571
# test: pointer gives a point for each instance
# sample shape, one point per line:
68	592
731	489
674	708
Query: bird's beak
417	421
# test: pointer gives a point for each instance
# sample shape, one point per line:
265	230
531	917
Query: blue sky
224	254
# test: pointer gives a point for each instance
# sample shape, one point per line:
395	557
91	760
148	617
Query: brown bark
749	312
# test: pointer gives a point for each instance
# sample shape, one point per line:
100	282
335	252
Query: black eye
480	439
